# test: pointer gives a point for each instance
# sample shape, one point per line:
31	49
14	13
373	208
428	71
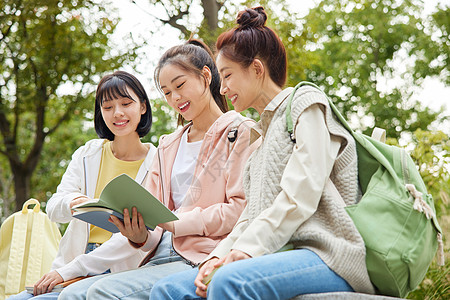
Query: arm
114	251
59	205
303	181
219	219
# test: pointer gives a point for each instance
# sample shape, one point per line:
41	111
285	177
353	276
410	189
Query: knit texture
330	231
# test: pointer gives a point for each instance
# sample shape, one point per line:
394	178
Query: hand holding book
133	228
123	193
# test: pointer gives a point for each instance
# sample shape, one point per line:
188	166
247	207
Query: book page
124	192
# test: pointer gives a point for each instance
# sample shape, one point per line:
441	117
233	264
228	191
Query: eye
127	103
180	85
166	93
106	107
227	76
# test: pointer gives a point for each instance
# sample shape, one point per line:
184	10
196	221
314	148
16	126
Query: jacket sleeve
302	183
71	187
114	251
219	219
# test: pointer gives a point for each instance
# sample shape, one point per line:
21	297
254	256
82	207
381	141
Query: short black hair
113	86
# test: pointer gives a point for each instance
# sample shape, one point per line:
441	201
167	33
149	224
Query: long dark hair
192	57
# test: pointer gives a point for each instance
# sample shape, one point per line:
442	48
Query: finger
52	285
200	293
116	221
134	218
126	218
141	221
220	261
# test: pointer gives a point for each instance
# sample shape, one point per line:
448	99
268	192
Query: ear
207	74
143	108
258	67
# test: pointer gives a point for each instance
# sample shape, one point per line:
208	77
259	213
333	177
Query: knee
225	282
159	290
70	293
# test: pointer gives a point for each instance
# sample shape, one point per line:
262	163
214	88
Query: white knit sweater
330	232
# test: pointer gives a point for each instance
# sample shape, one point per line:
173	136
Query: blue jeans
133	284
281	275
53	295
25	296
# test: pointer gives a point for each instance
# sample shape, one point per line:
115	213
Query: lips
121	123
233	99
184	106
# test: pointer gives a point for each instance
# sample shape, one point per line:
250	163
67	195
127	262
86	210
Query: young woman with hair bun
296	190
197	173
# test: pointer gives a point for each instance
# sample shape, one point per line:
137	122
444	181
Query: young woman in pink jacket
197	173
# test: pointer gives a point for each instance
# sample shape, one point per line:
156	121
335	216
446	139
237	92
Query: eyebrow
163	86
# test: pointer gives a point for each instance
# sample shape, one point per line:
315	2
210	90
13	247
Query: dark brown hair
113	86
192	57
252	39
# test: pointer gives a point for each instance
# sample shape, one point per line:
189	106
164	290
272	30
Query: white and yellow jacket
80	179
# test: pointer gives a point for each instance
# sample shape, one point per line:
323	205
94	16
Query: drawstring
419	204
440	251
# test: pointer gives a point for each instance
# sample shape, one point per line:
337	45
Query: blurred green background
385	63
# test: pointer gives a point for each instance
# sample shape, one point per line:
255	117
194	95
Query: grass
436	284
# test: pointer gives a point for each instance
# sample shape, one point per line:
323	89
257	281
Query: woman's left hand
168	226
134	229
47	283
234	255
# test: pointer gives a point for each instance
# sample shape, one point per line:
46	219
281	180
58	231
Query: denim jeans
281	275
133	284
50	296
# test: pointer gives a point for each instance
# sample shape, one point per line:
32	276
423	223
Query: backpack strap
379	134
18	246
289	121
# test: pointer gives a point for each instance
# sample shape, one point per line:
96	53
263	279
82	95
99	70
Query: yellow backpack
28	245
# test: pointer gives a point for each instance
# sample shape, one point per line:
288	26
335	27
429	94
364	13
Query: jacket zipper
187	261
85	193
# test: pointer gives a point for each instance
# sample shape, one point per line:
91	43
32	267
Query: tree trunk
210	12
22	184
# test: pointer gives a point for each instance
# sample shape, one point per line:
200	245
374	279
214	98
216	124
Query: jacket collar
260	128
218	126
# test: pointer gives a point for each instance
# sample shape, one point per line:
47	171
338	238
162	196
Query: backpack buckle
232	135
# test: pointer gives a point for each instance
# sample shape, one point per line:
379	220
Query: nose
118	112
223	89
175	96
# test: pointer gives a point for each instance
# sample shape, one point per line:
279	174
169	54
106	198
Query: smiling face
240	85
122	115
185	91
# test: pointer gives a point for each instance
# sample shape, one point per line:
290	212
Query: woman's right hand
77	201
134	229
204	271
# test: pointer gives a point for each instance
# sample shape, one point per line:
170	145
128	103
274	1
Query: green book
120	193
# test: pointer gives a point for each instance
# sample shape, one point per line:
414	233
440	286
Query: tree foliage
369	51
46	48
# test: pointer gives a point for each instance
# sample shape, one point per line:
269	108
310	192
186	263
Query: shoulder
236	120
306	96
167	139
91	147
151	150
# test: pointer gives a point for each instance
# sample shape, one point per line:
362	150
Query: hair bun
252	17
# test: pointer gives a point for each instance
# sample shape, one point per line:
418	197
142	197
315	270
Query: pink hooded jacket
216	198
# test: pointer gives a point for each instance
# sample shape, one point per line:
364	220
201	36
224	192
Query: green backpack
395	216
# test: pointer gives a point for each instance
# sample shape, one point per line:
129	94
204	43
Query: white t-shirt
183	169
